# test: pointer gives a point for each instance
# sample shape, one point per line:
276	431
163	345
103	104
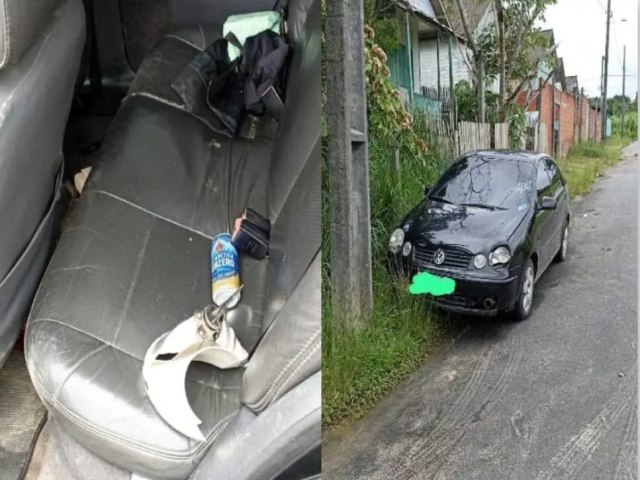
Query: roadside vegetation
588	160
359	368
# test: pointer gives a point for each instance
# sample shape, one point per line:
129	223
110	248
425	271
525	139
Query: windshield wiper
440	199
480	205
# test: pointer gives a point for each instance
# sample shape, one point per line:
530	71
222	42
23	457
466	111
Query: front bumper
472	291
479	296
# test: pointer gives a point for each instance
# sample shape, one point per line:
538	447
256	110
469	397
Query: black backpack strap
273	103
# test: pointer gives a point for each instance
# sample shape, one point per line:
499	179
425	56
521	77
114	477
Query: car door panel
545	221
561	197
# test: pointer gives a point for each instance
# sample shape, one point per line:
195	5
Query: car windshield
486	182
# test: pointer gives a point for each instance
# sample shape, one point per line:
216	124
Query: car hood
475	228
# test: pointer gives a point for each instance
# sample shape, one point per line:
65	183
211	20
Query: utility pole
351	286
606	74
624	99
481	114
601	77
581	113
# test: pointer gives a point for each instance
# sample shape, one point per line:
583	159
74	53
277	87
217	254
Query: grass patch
358	369
587	161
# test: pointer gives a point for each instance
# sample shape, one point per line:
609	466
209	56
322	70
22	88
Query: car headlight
406	249
479	261
395	242
500	256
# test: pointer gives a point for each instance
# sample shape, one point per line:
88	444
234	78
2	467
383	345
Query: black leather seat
40	48
133	261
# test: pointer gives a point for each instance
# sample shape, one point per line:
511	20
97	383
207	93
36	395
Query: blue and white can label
225	270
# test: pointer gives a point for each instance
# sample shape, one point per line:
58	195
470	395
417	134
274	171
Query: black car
493	222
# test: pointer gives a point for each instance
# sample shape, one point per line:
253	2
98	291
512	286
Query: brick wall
568	112
567	103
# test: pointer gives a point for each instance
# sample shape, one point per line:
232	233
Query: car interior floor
57	455
22	416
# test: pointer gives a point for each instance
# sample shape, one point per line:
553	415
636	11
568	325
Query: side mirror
548	203
426	190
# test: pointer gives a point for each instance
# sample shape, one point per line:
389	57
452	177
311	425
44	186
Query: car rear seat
40	49
133	261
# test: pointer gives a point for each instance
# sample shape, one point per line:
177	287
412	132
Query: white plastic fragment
168	358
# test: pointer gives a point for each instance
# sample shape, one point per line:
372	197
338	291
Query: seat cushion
171	164
119	278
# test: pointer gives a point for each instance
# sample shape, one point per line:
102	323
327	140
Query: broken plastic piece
205	337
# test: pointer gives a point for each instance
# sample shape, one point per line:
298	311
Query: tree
617	103
522	46
512	48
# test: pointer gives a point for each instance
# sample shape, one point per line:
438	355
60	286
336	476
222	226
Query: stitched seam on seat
110	345
105	434
128	202
204	41
274	385
35	61
184	40
290	377
156	98
77	365
5	58
79	330
134	280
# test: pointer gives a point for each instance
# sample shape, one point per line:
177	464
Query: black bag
220	92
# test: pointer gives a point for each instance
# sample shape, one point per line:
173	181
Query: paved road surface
552	398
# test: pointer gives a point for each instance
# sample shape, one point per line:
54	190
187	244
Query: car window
542	180
486	181
552	168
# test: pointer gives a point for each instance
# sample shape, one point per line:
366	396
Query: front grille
454	257
453	300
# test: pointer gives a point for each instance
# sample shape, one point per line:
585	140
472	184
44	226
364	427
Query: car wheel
524	304
561	256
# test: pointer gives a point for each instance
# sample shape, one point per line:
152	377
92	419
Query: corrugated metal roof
422	6
474	11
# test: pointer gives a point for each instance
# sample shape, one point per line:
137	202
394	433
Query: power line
615	39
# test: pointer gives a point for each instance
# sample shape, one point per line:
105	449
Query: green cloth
246	25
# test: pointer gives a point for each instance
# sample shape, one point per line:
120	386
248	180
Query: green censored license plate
427	283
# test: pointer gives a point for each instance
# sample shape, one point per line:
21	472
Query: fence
468	135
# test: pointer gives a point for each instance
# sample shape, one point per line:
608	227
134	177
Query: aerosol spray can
225	271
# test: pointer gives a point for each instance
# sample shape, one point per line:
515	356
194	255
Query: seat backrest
294	186
41	43
40	47
289	350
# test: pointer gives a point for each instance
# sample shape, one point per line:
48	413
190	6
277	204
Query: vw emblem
438	257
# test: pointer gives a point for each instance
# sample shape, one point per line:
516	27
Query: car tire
561	256
524	303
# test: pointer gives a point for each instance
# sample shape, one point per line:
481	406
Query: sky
579	28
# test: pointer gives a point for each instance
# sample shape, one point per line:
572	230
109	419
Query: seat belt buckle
251	234
273	102
258	220
251	240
